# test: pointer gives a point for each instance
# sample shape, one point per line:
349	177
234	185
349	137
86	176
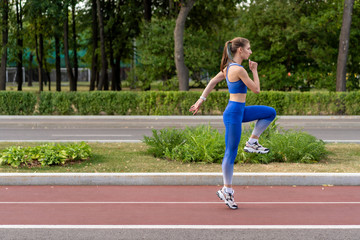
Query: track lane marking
91	135
218	202
179	226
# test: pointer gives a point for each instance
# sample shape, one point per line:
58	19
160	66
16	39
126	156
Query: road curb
157	117
95	179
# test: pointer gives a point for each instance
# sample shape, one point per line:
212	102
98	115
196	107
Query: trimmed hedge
171	103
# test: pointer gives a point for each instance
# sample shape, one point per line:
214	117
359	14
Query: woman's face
245	52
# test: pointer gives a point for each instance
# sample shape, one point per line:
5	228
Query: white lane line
91	135
179	226
342	141
79	140
124	141
218	202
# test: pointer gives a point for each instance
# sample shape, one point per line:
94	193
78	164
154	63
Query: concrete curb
156	117
267	179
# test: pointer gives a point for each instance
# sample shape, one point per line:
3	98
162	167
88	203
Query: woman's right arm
252	85
215	80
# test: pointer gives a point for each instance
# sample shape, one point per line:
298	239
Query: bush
17	103
202	143
45	155
206	144
172	103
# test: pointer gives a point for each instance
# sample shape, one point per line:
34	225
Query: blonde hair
230	49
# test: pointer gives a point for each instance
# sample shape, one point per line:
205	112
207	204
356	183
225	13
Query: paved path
133	128
179	212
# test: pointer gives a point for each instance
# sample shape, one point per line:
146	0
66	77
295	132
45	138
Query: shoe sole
250	150
221	196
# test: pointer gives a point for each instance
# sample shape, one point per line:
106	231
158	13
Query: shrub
172	103
17	103
45	155
200	143
206	144
164	140
285	146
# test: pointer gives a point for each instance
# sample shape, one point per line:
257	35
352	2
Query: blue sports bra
238	86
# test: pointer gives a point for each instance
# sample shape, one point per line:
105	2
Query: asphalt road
200	234
133	128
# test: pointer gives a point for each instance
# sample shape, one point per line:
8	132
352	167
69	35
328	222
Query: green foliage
285	146
156	51
202	50
201	142
172	103
189	145
164	141
17	103
46	155
111	103
300	38
206	144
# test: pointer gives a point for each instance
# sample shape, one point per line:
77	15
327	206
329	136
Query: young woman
238	80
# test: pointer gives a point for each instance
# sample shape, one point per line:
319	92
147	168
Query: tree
295	42
5	31
182	70
147	10
203	42
39	27
19	20
122	27
39	46
94	38
75	57
103	82
344	41
66	48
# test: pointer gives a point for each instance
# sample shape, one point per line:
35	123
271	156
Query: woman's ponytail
225	56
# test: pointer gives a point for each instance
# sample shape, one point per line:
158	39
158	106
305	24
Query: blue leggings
234	115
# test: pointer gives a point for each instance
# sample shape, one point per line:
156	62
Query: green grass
85	86
133	157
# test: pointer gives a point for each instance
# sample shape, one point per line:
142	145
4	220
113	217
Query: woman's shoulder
237	68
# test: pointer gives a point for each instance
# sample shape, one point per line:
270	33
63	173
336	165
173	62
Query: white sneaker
228	198
255	148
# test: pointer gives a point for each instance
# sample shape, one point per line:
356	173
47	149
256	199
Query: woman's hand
195	108
253	65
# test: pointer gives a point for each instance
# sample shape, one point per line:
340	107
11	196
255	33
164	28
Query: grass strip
133	157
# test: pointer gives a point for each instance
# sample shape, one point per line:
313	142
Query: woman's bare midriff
238	97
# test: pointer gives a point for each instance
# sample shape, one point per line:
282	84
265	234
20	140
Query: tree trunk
19	66
47	73
94	60
147	10
103	82
181	69
57	63
112	65
39	58
344	46
41	68
117	74
66	48
76	65
5	18
31	70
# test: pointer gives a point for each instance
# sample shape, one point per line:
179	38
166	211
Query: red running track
178	205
